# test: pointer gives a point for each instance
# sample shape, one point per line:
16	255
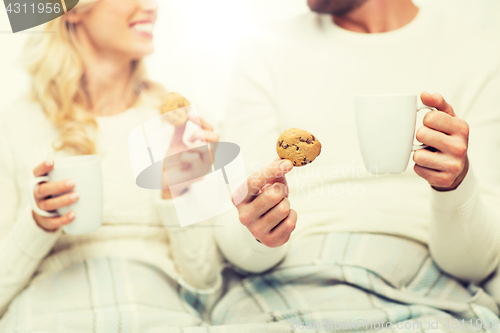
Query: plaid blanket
343	282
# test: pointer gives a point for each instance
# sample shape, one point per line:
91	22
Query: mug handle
33	204
422	146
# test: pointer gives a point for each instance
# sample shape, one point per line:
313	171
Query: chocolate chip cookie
298	146
175	107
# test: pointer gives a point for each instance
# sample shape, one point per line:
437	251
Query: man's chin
334	7
319	6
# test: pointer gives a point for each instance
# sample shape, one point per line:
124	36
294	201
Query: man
366	248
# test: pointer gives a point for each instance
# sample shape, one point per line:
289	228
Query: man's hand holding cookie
265	210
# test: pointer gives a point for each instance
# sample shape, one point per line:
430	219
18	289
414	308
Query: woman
89	91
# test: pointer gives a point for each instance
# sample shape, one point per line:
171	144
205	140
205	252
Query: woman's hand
263	204
186	168
43	200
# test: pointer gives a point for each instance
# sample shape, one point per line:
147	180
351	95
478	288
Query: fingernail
71	215
285	165
74	196
70	183
49	162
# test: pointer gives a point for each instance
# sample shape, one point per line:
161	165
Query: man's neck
376	16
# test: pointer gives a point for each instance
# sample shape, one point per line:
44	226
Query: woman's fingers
43	168
53	223
43	190
199	121
204	135
177	136
58	202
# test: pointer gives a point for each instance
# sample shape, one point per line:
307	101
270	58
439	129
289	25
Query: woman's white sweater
134	219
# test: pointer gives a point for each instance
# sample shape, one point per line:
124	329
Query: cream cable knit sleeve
23	245
193	249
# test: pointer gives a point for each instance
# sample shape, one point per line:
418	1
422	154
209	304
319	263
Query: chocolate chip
313	137
285	145
308	140
280	143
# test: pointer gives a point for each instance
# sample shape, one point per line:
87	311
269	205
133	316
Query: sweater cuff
458	197
32	240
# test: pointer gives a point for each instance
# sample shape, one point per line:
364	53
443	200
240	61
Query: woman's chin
142	53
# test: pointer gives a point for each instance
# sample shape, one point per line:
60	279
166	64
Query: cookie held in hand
174	108
298	146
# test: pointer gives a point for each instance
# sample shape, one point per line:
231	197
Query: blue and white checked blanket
342	282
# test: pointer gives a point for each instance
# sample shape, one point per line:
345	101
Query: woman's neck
376	16
107	79
108	86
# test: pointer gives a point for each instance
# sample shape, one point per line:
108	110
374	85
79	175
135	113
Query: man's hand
265	209
445	168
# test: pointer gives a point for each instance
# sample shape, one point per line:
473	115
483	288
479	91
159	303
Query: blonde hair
57	84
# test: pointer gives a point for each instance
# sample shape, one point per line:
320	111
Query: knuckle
421	133
460	149
253	183
282	211
417	156
257	231
269	241
43	205
283	208
245	218
464	128
269	193
444	180
274	193
430	117
454	167
52	223
290	226
41	190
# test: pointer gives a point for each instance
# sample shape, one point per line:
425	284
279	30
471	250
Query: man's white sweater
306	75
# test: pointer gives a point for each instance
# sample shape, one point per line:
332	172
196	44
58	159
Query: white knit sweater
307	74
133	218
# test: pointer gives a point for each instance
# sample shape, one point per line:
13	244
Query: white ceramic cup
386	130
85	170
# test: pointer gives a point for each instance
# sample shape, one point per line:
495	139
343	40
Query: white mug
85	170
386	129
